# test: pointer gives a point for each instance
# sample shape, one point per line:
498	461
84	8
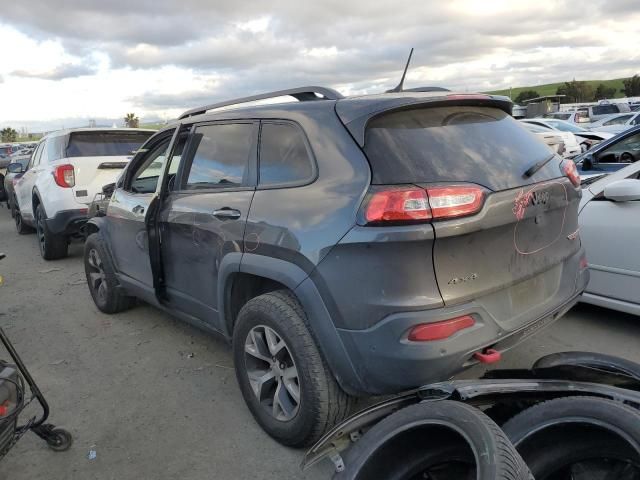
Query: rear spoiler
355	113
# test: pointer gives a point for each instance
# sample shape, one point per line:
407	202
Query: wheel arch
36	200
280	272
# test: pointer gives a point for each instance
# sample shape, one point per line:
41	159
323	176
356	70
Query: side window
35	158
221	155
283	157
618	120
622	151
145	178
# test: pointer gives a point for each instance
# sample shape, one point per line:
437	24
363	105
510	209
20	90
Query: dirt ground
156	398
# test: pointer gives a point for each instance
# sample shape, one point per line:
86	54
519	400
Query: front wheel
52	246
283	378
101	278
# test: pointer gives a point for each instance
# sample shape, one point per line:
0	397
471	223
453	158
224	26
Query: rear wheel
626	157
52	246
592	439
101	278
282	375
21	227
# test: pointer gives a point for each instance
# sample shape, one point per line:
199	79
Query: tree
526	95
9	134
602	92
631	86
575	92
131	121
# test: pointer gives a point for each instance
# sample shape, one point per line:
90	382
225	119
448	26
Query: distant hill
551	88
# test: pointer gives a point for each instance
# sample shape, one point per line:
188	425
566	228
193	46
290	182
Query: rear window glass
105	144
605	109
481	145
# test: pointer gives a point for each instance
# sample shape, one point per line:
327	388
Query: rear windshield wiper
530	172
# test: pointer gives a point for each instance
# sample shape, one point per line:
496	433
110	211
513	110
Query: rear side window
222	153
605	109
105	144
283	155
621	120
481	145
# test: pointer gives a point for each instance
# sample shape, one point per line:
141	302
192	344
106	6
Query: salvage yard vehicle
345	246
611	155
553	140
609	227
572	416
14	171
65	172
584	138
616	123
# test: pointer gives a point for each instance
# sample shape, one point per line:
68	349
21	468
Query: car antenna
398	87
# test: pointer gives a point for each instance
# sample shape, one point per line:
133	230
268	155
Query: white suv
68	168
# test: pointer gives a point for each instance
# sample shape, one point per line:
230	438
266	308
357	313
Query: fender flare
98	222
319	320
40	202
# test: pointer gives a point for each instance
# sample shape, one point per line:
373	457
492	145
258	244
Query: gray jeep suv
344	246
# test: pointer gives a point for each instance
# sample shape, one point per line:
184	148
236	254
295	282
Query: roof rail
302	94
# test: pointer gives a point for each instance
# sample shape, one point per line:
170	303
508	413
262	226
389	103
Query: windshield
105	144
565	126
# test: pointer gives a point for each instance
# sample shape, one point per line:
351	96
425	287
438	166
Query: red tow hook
488	356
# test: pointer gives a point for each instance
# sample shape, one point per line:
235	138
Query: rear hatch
98	157
508	253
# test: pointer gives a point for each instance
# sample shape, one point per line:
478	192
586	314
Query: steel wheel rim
96	276
272	373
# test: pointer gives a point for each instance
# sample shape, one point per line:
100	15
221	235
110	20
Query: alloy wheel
272	372
97	277
40	233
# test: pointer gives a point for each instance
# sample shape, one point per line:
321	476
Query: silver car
609	228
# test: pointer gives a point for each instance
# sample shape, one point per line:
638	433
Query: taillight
571	171
412	204
427	332
455	200
408	204
64	176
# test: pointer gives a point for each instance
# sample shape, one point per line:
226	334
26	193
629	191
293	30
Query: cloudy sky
66	61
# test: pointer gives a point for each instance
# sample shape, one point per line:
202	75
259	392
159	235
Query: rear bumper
67	222
388	363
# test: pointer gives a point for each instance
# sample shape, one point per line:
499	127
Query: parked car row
332	242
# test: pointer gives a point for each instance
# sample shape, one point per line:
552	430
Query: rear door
24	186
509	255
203	217
98	158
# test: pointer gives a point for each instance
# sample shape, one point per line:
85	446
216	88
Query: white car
585	138
66	171
571	145
609	229
616	123
552	139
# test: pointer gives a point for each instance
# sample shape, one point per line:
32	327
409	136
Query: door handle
227	213
138	209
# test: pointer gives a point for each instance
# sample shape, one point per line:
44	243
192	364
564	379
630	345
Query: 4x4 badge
466	278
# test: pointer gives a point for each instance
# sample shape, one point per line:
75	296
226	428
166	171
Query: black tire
52	246
60	440
626	157
322	403
11	205
3	192
600	361
437	440
103	284
21	227
584	431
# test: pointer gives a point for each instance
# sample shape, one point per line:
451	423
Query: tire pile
577	437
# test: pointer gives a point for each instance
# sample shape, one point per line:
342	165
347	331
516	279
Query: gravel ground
156	398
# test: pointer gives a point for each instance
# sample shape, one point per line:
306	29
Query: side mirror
587	162
627	190
15	168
